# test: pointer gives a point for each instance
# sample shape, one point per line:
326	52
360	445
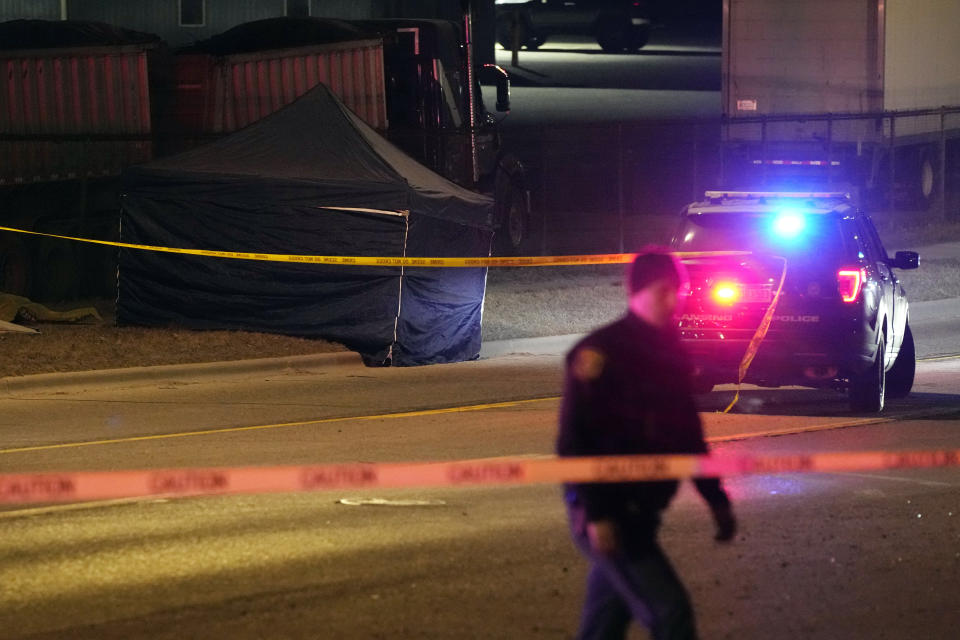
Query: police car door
880	265
898	317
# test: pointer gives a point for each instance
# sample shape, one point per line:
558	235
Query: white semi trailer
858	92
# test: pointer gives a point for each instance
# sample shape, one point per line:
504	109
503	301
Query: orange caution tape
100	485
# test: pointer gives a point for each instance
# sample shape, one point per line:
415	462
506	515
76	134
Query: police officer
628	391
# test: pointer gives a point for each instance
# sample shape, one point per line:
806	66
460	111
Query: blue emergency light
788	224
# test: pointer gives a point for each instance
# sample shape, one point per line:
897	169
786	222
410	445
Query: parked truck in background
71	118
413	80
848	92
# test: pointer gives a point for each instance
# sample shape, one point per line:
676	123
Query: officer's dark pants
637	582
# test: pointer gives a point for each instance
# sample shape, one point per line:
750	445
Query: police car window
856	245
875	237
874	252
816	235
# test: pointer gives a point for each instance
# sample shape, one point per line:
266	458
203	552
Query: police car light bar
808	195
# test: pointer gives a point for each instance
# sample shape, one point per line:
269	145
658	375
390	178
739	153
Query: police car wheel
900	376
868	389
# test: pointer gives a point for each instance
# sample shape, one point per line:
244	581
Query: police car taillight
850	282
725	292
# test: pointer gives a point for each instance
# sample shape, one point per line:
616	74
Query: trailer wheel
14	266
926	180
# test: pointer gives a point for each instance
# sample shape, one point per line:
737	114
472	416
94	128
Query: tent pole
396	320
468	35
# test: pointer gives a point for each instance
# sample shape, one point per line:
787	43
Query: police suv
841	319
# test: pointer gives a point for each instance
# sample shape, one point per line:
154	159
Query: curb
134	375
546	345
52	382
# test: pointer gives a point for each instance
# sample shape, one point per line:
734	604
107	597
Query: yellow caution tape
758	337
525	261
368	261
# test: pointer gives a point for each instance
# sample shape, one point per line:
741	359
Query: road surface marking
76	506
935	358
299	423
384	502
871	476
825	426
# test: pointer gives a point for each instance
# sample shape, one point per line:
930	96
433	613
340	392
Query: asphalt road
819	555
571	80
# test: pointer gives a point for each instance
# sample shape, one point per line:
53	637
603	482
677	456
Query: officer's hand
726	523
603	536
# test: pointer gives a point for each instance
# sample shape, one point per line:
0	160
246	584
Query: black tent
311	179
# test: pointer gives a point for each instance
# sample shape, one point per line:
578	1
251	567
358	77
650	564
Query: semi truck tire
514	224
512	208
15	272
926	182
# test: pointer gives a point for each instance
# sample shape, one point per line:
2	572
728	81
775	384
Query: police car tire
868	389
900	376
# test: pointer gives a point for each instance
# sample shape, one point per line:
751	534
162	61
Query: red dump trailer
220	94
79	102
75	109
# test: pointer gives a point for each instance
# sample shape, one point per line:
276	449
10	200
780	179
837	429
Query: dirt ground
85	347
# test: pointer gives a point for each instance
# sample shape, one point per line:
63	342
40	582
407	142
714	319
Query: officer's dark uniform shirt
628	390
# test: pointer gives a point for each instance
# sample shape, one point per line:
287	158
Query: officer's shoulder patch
588	363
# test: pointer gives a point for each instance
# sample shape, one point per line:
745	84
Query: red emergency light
725	292
850	282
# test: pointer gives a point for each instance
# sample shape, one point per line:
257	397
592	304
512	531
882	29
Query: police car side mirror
906	260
